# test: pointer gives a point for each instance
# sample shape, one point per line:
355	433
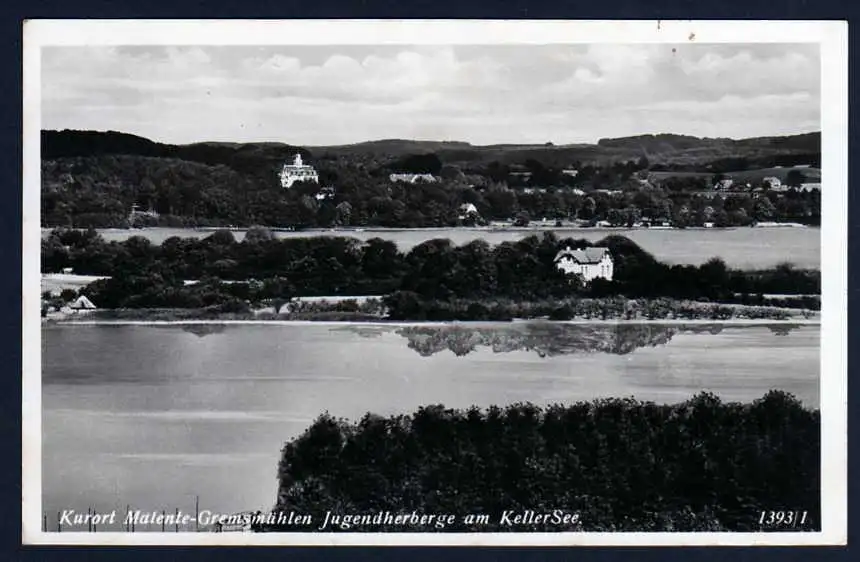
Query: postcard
434	282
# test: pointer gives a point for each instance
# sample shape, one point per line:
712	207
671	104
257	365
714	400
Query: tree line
622	464
99	191
262	267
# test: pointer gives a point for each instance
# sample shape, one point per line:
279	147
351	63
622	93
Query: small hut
82	303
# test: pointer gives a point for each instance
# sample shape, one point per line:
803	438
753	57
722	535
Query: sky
327	95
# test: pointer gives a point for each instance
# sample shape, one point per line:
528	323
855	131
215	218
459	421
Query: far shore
675	322
497	227
373	311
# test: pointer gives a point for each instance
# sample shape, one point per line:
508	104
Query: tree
763	209
68	295
631	215
715	276
708	214
258	234
222	237
795	178
502	201
522	219
615	217
589	206
739	217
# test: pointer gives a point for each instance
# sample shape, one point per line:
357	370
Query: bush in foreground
623	465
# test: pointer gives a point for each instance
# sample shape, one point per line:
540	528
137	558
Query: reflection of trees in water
364	331
546	340
778	330
203	330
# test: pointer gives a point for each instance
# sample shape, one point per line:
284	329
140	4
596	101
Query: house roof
583	255
82	302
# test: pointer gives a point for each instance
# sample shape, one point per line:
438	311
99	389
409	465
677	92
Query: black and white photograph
435	282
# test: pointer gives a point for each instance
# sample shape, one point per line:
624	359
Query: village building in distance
590	263
297	171
772	183
136	214
412	178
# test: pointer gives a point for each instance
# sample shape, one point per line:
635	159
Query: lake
153	416
744	248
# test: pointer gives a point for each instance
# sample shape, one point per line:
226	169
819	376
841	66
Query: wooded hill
91	179
664	149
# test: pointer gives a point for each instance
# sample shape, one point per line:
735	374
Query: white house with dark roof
590	263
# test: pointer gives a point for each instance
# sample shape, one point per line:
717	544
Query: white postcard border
832	37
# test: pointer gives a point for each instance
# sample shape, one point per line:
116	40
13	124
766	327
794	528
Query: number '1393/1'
783	518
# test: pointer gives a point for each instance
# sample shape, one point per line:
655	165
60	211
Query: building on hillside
724	184
81	304
468	209
297	171
772	182
325	193
590	263
412	178
570	172
810	187
136	214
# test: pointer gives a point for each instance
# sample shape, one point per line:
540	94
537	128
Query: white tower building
297	171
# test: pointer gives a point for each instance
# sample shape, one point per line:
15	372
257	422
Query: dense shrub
408	306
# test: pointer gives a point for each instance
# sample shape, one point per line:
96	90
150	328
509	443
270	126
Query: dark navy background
12	13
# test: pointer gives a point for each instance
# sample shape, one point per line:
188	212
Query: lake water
744	248
153	416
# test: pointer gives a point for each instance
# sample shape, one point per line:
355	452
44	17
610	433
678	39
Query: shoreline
401	323
539	227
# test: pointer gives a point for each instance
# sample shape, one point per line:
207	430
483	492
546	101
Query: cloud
483	94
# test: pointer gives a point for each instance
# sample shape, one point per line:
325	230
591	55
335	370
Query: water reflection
546	339
203	330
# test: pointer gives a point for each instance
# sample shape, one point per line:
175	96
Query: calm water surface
153	416
745	248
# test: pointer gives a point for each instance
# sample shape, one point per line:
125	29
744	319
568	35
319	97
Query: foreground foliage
624	465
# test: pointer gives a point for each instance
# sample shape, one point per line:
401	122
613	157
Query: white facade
724	184
590	263
297	171
772	182
468	208
412	178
